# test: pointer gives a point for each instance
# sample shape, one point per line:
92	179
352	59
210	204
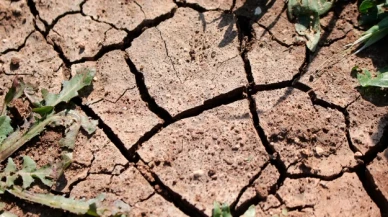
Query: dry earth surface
205	100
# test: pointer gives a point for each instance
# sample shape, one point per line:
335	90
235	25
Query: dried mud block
330	74
344	196
155	206
129	186
37	63
16	23
186	61
49	10
127	14
309	139
367	124
378	172
275	19
261	186
272	62
79	36
196	157
115	98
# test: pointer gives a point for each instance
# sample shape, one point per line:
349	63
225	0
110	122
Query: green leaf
43	110
88	124
366	5
29	171
226	210
307	14
70	88
9	173
366	79
30	93
14	92
251	212
91	207
5	127
284	212
216	210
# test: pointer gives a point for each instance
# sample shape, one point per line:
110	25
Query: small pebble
198	173
319	151
358	154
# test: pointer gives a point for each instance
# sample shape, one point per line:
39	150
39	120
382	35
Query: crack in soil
194	6
251	181
19	47
145	95
168	55
167	193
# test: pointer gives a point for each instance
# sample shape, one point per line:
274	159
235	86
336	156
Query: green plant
306	13
224	211
372	11
367	80
43	114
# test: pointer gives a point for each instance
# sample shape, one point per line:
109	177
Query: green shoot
366	80
374	34
224	211
307	13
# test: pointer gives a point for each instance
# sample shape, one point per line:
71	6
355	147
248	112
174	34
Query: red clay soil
201	101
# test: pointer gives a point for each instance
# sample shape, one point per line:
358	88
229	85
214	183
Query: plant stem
9	146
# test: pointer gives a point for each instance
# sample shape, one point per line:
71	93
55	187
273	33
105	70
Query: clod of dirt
270	61
296	128
127	14
14	63
74	30
378	171
367	124
188	59
16	23
37	62
343	195
116	100
50	9
205	143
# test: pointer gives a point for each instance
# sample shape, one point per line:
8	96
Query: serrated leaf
70	136
5	127
88	124
307	14
226	210
9	173
70	88
91	207
251	212
30	171
366	79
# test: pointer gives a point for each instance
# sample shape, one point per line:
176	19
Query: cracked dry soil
202	100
